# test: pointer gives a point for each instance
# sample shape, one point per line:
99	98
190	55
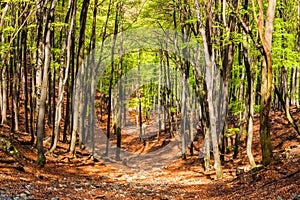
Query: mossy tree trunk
265	34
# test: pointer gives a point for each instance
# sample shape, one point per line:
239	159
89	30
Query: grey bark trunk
79	80
211	78
63	77
41	112
3	82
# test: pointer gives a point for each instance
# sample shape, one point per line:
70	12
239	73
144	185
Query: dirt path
85	177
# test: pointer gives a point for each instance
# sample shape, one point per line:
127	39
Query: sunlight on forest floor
87	177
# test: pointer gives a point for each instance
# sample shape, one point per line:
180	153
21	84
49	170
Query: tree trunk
265	35
15	94
241	118
116	27
120	97
63	77
79	81
4	95
40	18
3	81
25	77
92	77
251	92
287	107
41	160
159	100
227	61
210	79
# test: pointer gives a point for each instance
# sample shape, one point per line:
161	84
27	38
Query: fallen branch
280	178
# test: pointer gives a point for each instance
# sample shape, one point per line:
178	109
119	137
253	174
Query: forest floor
85	177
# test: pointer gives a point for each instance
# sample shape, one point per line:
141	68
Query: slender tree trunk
68	127
40	50
210	79
4	95
183	121
297	47
79	81
15	98
120	97
241	119
3	81
63	77
294	87
227	62
41	112
265	35
25	78
116	27
251	92
297	85
92	76
139	122
32	111
287	102
159	100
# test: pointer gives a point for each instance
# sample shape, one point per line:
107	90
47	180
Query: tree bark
79	81
3	82
265	35
120	97
63	77
41	160
210	78
251	92
116	28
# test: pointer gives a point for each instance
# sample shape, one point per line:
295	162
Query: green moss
8	147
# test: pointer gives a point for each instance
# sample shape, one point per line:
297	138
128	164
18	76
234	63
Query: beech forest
150	99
